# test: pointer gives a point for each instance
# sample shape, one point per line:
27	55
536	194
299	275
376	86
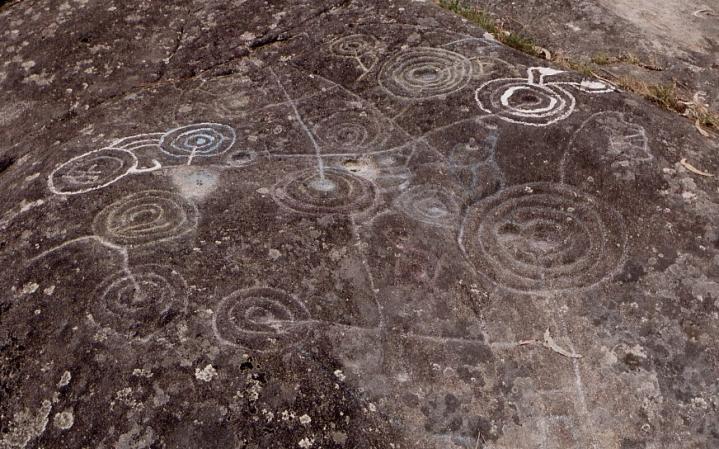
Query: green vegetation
492	26
664	95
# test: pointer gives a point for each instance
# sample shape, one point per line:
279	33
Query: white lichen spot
253	392
30	288
339	375
142	372
305	419
247	36
135	438
43	79
49	290
64	420
27	205
25	427
269	416
206	374
65	379
306	443
274	254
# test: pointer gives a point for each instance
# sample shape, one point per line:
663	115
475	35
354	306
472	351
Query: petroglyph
386	172
241	158
349	131
544	237
606	142
424	72
430	204
139	141
260	318
146	217
354	45
362	48
198	140
532	101
140	301
486	67
388	205
339	192
471	160
92	171
97	169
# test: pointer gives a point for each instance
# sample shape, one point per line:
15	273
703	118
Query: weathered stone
248	224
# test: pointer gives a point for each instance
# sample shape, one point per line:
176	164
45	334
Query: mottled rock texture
341	224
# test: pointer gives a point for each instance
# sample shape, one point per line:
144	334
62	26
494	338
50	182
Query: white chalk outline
138	141
368	50
131	169
561	102
135	275
395	61
281	197
595	118
303	125
503	279
373	138
168	138
189	209
406	203
223	311
134	143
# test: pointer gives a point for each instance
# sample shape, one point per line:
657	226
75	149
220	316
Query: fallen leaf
694	170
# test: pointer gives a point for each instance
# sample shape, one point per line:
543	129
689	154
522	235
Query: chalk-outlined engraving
138	302
241	158
484	67
198	140
139	141
338	192
468	149
139	219
608	139
353	45
431	204
533	101
386	172
100	168
544	237
260	318
92	171
146	217
349	131
361	48
425	72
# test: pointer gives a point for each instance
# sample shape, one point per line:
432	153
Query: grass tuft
601	59
492	26
664	95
